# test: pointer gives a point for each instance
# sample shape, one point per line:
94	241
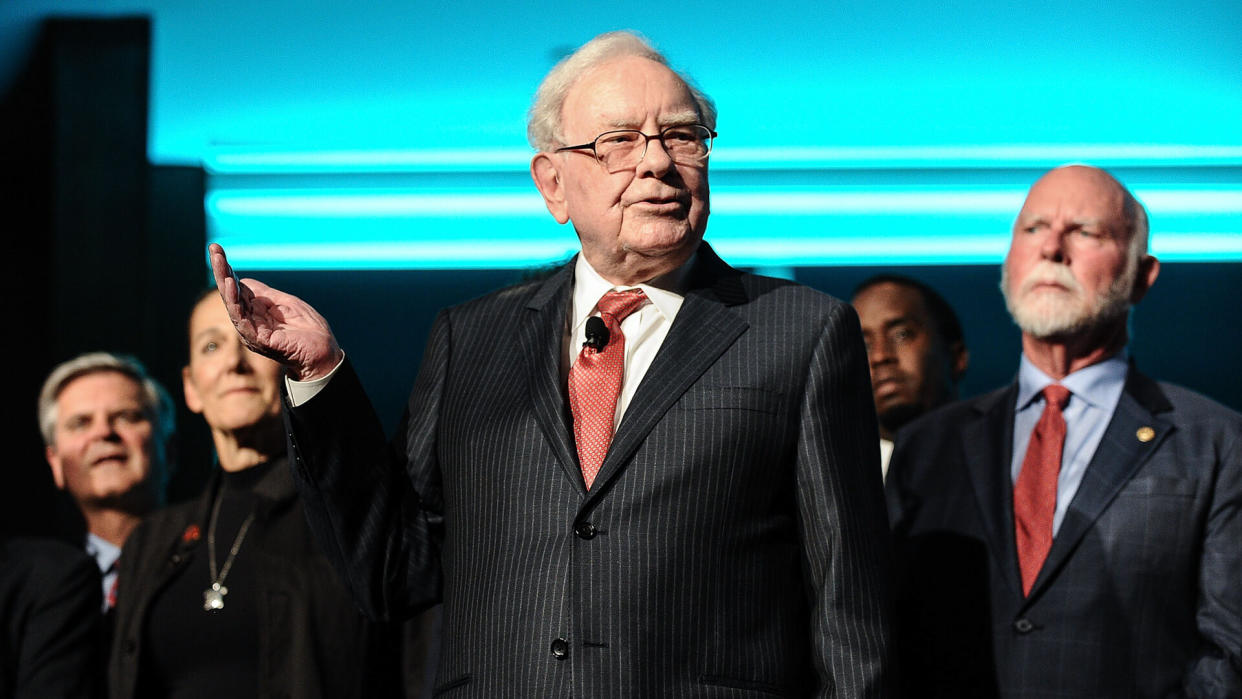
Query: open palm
275	324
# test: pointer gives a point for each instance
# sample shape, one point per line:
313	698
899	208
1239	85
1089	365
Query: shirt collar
664	291
1099	385
103	551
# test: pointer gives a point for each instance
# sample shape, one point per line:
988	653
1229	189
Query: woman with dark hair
227	596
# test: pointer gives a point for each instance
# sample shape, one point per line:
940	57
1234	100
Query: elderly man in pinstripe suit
648	475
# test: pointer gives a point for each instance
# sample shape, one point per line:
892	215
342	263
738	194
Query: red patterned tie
595	383
1035	494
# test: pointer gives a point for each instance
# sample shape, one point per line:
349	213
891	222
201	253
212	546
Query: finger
220	269
232	294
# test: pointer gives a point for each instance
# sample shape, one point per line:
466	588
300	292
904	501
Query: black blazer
1141	594
313	642
49	611
733	544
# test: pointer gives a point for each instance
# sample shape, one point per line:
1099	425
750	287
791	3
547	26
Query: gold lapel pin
1145	434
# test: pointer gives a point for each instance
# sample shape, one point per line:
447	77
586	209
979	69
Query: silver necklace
213	597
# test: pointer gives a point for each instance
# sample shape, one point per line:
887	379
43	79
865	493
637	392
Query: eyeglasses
686	144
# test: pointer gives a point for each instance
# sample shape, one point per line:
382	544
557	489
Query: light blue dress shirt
1094	394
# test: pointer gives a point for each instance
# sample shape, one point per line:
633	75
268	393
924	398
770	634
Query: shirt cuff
302	391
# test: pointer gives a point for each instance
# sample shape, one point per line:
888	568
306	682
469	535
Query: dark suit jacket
733	544
313	642
49	609
1141	594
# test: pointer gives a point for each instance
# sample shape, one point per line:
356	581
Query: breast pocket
732	429
1159	486
1153	525
731	398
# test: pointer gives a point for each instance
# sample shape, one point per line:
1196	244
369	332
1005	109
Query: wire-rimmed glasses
686	144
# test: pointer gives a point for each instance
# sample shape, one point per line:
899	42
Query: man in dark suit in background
1075	534
915	348
107	427
50	635
689	505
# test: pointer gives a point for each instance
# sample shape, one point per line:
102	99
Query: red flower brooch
191	533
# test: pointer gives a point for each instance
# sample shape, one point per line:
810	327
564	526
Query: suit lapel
704	329
987	443
541	338
1116	459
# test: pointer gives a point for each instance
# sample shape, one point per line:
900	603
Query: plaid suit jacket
1141	594
734	543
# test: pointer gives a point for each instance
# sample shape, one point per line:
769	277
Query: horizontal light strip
876	202
373	204
414	254
991	156
253	161
224	162
882	202
800	252
474	223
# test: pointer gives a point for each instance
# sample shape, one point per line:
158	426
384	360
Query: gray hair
1136	219
156	402
543	122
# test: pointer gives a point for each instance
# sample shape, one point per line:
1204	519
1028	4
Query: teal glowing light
443	226
237	160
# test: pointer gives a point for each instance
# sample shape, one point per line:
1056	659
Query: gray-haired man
106	425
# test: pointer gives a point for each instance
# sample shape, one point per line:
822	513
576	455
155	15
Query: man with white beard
1076	533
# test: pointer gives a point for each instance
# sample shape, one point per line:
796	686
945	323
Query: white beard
1050	313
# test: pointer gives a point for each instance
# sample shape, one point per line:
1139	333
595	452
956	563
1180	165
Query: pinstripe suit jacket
1141	594
734	542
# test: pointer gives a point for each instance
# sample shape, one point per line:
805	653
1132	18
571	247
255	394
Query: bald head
1077	260
1086	183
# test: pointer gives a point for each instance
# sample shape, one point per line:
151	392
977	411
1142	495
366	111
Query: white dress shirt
644	329
886	455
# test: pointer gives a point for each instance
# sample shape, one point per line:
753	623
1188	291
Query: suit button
130	646
585	530
560	649
1023	625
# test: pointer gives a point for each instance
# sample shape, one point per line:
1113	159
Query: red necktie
1035	493
595	383
110	597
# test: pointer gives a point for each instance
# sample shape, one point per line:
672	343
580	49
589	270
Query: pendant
213	599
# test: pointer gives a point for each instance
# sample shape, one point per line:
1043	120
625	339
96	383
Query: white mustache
1051	273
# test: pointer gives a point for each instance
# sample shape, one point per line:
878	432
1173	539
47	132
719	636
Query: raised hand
275	324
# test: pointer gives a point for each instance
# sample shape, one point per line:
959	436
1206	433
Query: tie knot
1056	394
620	304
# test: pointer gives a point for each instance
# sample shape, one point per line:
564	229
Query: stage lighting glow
394	229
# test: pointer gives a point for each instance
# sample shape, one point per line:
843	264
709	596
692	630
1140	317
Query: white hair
543	123
1136	219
